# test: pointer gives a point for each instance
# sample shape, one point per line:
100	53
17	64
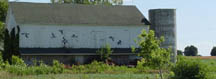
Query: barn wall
54	36
77	59
10	20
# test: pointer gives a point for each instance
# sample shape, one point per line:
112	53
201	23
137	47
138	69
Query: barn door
100	39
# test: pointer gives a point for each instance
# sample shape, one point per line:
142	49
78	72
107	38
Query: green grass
212	66
118	72
5	75
95	70
211	63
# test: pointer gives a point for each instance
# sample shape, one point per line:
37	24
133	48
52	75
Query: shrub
98	67
141	66
18	67
141	63
105	53
1	60
190	69
94	67
31	70
11	44
57	67
17	61
42	69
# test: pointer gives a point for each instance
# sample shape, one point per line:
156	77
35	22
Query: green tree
92	2
9	39
3	10
190	51
179	52
11	44
3	13
151	52
1	60
6	54
213	51
2	29
105	53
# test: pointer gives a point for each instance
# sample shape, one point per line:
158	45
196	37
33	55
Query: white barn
72	33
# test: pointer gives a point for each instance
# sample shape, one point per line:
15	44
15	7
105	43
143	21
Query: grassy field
5	75
212	65
211	61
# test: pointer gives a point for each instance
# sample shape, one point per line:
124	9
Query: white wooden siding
53	36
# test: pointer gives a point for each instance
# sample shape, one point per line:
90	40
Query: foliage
97	67
191	51
5	75
213	51
105	52
32	70
10	39
18	67
179	52
91	2
17	61
2	32
141	66
151	52
141	63
3	10
190	69
102	68
57	67
6	54
149	47
211	63
1	60
94	67
11	44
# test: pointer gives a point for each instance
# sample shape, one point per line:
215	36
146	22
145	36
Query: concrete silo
163	22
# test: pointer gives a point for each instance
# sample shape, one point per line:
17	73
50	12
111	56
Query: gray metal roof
68	14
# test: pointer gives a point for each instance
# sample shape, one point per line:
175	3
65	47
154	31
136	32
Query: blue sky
196	24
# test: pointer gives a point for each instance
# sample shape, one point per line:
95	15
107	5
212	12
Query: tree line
193	51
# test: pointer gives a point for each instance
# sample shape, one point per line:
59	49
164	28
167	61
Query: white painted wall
76	36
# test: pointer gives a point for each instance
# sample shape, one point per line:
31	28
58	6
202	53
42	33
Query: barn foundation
77	59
